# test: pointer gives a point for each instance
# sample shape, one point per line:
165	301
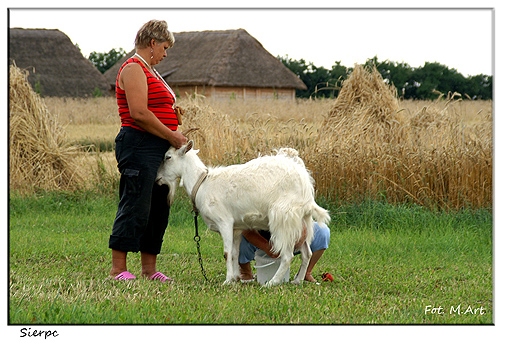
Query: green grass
95	145
389	263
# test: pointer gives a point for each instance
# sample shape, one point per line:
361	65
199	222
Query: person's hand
271	254
257	240
178	139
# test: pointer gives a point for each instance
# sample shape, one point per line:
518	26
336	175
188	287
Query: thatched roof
231	58
56	66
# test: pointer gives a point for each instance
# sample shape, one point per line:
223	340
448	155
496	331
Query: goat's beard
171	192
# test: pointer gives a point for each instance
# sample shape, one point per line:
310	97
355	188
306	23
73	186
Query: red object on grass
327	277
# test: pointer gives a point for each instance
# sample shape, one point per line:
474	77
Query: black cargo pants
143	210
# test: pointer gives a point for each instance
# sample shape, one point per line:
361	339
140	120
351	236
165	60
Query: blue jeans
320	241
143	210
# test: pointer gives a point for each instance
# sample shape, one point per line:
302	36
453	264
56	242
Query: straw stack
38	155
369	149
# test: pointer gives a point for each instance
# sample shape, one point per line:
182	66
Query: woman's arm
133	80
257	240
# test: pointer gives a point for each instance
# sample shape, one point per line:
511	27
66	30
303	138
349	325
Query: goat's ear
183	150
189	146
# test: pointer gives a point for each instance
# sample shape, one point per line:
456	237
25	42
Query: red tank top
160	100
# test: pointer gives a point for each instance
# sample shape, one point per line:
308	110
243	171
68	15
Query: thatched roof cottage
56	66
223	64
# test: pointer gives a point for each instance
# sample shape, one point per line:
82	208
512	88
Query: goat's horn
188	131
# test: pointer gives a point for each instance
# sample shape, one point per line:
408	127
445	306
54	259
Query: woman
148	128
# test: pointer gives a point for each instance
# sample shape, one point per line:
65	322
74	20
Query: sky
457	38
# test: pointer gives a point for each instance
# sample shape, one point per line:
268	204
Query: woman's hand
177	139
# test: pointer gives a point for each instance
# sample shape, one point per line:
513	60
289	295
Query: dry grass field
365	144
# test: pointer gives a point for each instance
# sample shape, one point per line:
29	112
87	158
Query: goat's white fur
273	192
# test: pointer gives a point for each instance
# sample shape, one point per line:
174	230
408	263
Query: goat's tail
320	215
289	225
286	224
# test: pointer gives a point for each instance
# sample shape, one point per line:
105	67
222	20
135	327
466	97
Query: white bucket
266	267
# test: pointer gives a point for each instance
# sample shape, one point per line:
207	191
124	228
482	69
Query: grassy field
391	264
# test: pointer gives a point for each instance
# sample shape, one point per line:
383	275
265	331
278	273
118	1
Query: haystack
357	137
377	152
366	107
38	155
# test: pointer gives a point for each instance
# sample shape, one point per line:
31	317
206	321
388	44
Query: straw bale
38	155
369	148
366	105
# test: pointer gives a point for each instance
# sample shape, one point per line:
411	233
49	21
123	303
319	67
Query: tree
398	74
481	86
410	83
298	67
337	75
103	61
320	82
323	85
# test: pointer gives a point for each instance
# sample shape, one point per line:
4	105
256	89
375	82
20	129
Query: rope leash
201	179
197	241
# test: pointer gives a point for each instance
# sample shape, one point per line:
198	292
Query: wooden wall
235	92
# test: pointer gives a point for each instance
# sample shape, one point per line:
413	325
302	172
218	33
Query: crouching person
252	240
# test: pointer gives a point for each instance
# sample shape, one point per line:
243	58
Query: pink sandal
125	275
160	276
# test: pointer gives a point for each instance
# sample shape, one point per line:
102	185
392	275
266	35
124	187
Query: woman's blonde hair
154	29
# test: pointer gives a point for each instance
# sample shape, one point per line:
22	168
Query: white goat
270	192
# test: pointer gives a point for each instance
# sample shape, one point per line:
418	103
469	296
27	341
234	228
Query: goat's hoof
271	283
231	281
